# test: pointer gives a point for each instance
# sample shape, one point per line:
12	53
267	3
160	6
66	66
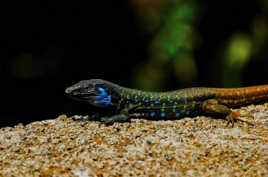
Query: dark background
49	45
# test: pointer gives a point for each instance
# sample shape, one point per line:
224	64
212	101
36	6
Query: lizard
126	103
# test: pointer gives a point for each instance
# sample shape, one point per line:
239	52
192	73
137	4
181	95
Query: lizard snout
67	90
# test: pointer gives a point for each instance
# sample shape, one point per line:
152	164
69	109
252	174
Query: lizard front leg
123	116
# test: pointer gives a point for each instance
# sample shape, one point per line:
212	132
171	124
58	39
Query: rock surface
200	146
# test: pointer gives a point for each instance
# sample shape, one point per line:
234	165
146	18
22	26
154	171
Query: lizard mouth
81	95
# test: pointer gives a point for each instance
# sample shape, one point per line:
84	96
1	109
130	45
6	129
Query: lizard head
97	92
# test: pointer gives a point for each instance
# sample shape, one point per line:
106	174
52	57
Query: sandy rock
200	146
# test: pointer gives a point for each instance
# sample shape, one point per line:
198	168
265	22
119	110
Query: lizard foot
235	116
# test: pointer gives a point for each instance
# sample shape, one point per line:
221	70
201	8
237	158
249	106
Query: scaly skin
128	103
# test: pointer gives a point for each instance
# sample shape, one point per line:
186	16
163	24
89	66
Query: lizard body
127	103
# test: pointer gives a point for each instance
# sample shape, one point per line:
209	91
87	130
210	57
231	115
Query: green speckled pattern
187	102
173	104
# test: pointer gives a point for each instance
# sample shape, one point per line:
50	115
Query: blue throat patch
103	99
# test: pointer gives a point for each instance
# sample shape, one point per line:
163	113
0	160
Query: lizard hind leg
212	106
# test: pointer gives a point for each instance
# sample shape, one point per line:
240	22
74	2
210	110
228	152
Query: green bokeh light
239	51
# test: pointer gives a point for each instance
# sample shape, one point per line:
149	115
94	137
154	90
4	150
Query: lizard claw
230	119
235	116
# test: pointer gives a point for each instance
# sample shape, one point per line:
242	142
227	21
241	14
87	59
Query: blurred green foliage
171	26
171	46
240	49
